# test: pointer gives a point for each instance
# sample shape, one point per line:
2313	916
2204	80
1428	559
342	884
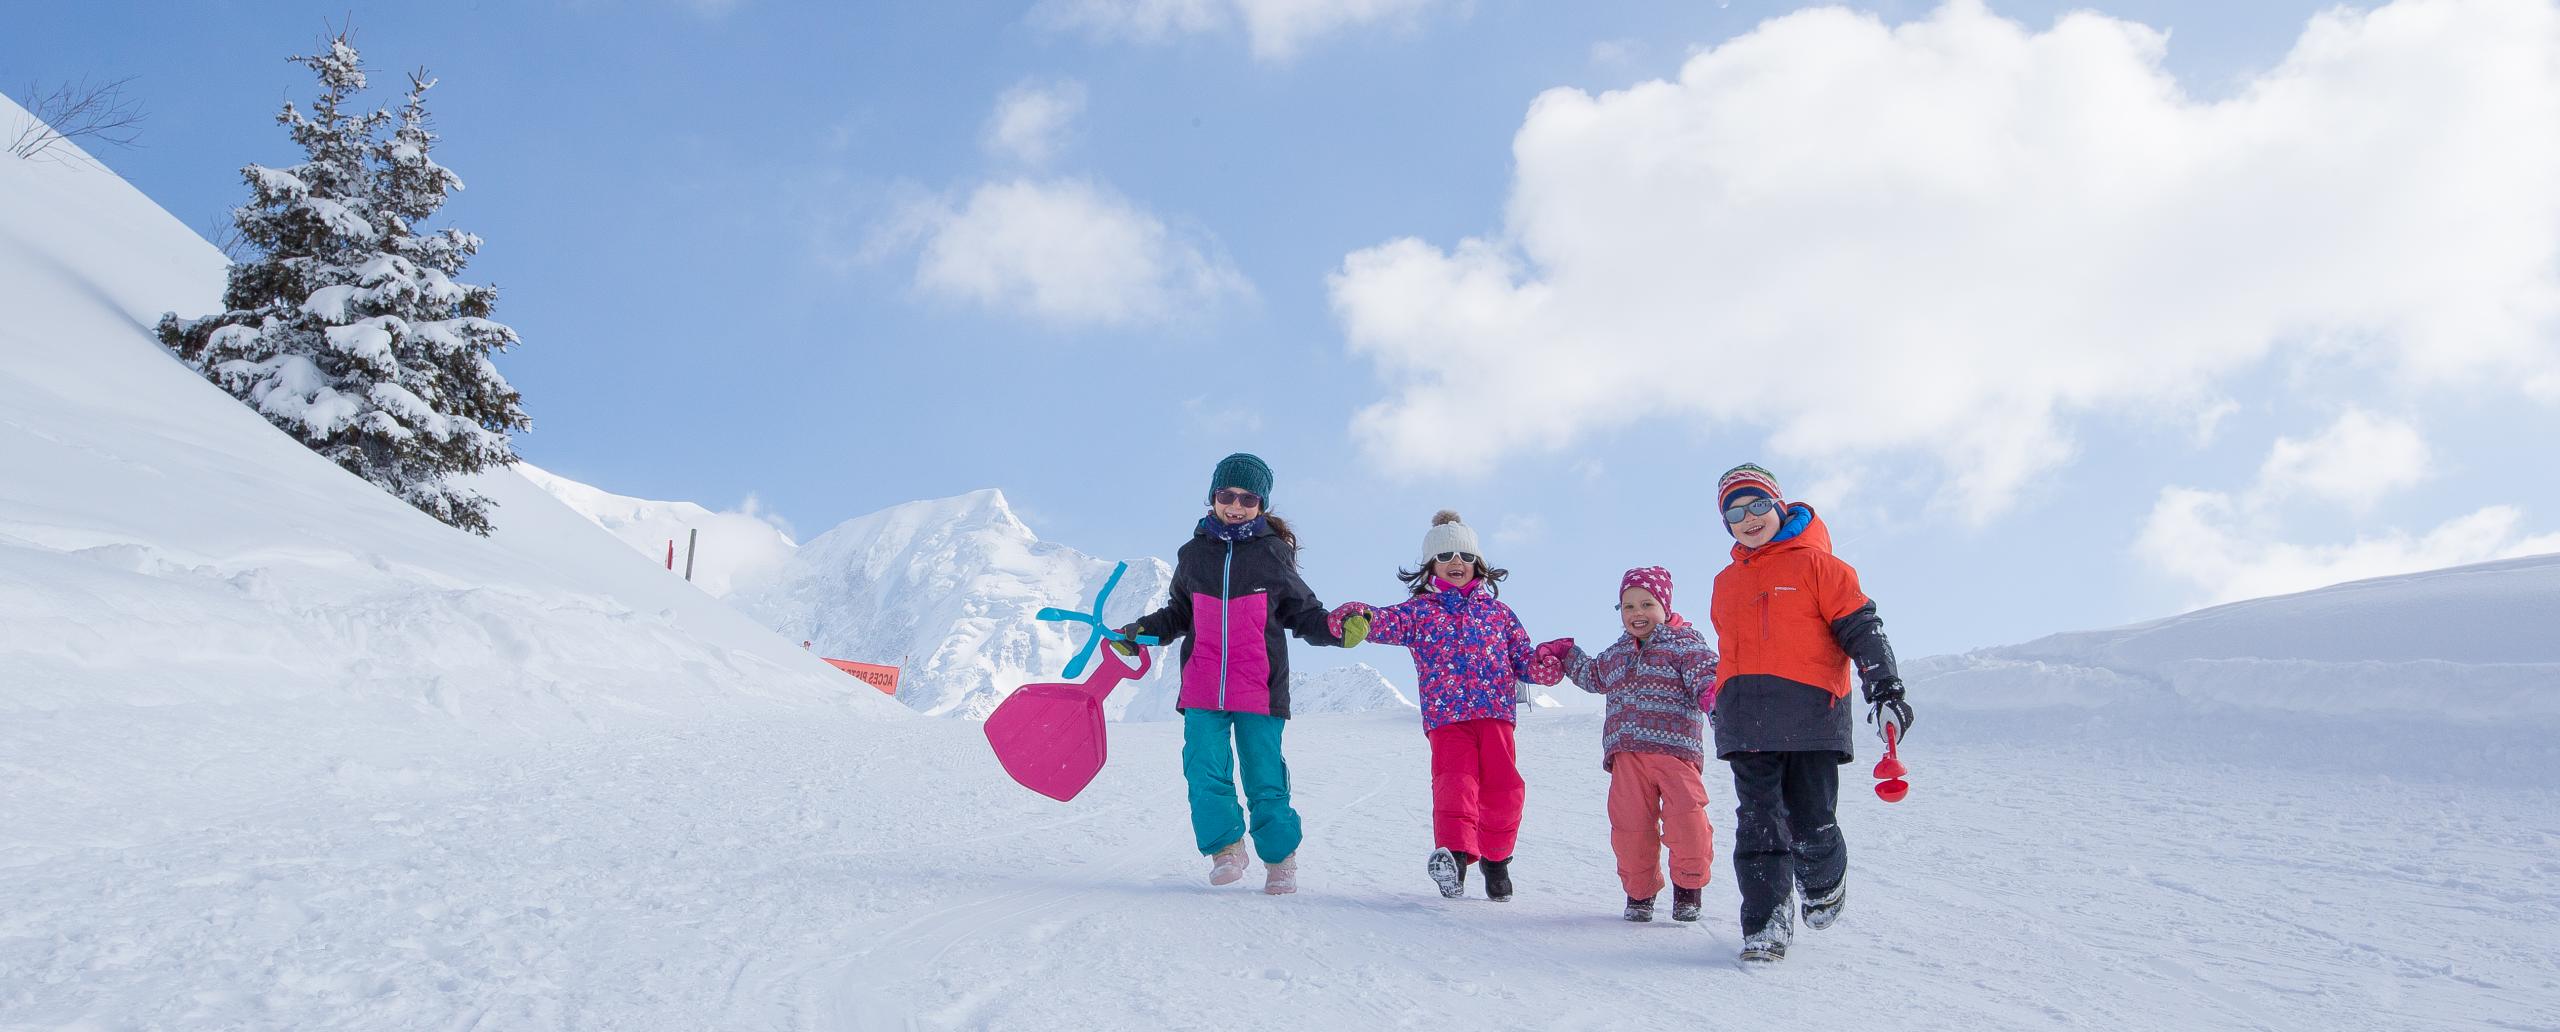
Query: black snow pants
1785	833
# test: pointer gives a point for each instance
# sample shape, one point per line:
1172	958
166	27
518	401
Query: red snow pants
1656	801
1476	791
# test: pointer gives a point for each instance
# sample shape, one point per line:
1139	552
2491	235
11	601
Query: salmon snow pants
1476	791
1209	763
1656	801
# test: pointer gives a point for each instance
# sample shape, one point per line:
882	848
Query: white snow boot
1281	879
1227	864
1821	910
1769	944
1449	872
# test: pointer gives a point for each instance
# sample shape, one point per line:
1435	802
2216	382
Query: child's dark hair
1418	581
1280	529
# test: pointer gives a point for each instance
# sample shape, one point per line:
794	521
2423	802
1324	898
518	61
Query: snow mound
731	548
2471	644
949	590
1357	688
171	564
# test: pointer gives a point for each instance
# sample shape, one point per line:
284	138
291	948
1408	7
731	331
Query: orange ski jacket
1775	609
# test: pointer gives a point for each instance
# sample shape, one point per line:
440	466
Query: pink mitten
1345	611
1556	650
1546	670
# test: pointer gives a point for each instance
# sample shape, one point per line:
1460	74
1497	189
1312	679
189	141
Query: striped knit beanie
1746	481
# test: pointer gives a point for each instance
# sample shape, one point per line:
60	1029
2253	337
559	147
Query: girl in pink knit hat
1660	678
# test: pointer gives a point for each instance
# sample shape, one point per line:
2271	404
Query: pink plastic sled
1050	736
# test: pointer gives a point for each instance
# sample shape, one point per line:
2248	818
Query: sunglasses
1446	556
1754	507
1231	496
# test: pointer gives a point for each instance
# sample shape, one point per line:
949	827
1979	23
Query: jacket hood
1808	532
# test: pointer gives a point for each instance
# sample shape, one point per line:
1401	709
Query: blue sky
790	250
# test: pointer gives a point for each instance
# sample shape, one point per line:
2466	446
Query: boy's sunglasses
1231	496
1754	507
1446	556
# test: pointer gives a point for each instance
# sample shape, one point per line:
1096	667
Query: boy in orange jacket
1792	625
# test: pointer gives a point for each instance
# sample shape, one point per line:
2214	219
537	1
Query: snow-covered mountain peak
950	590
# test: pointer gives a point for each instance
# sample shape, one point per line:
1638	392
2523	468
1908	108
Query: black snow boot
1684	903
1823	908
1497	880
1639	910
1449	871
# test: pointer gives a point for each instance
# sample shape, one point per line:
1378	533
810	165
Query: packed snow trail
844	873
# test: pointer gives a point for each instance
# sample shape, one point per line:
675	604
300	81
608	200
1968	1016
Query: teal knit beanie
1246	472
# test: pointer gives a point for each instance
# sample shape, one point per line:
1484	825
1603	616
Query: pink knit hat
1657	580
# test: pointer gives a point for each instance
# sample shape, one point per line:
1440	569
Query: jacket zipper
1226	622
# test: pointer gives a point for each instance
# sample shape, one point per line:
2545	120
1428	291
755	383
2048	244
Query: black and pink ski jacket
1235	593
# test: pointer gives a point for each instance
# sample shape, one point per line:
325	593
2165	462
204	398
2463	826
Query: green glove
1124	644
1355	630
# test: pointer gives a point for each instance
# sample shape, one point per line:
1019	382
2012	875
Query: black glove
1127	643
1884	699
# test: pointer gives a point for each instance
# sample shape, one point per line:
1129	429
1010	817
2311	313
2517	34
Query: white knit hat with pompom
1449	534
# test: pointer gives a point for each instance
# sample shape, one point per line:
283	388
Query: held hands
1886	707
1546	665
1350	622
1355	631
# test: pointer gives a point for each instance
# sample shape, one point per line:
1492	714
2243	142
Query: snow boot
1684	903
1449	871
1227	865
1281	879
1823	908
1497	880
1769	944
1639	910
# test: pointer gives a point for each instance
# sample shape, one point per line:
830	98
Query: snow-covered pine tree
349	330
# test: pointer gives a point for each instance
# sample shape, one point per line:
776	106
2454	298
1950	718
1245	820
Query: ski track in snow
823	873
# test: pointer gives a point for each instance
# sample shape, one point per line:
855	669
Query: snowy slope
169	563
948	589
276	752
2473	644
729	549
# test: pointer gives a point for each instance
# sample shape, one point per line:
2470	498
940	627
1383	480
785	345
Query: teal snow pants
1209	764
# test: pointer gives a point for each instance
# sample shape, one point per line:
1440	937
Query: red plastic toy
1889	771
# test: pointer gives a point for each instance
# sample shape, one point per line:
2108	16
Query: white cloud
2206	539
1221	417
1032	120
1065	251
1519	528
1278	29
2231	547
2356	461
1951	237
1617	53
